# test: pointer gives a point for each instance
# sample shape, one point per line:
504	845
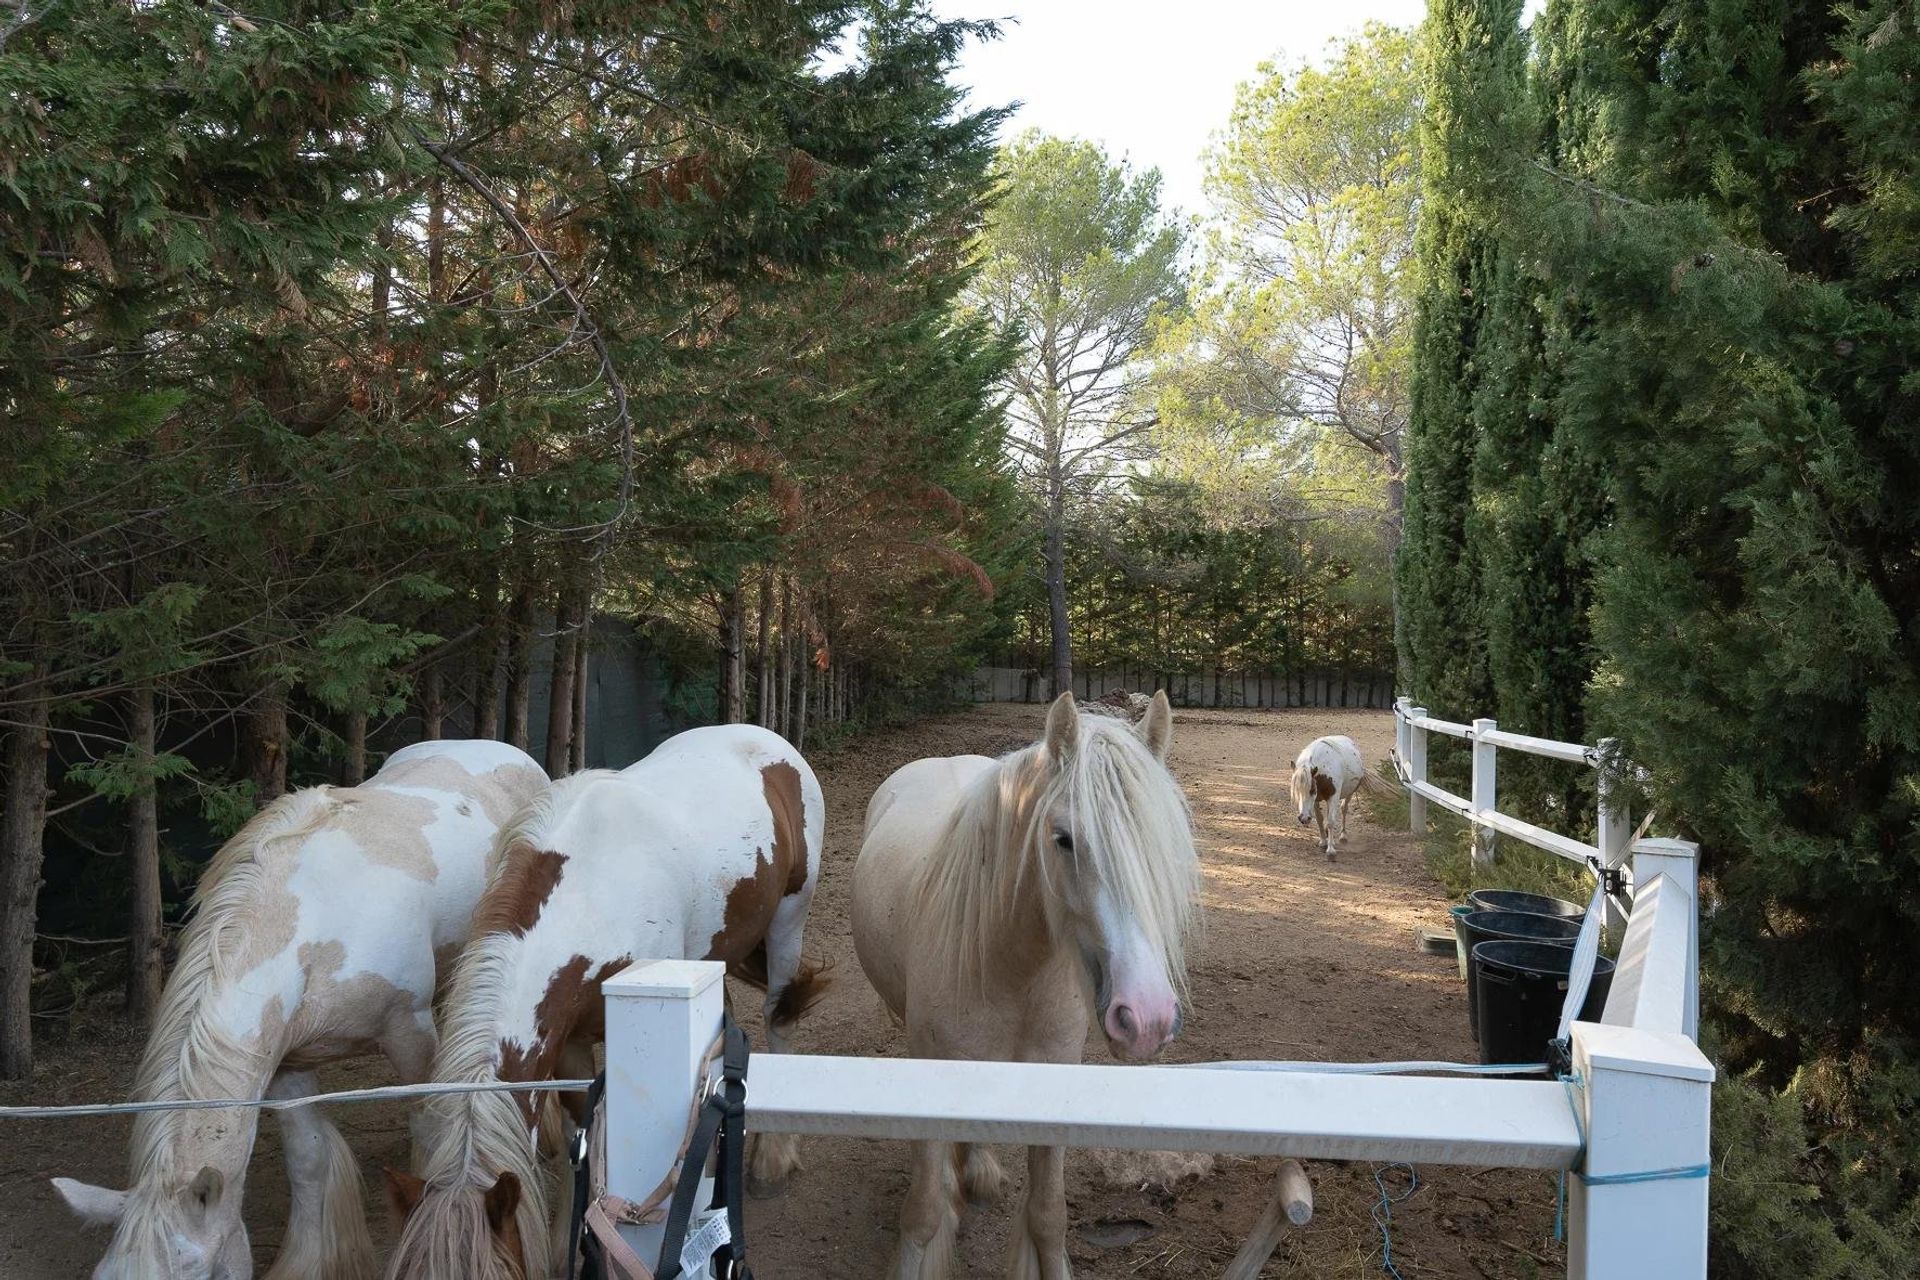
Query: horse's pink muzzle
1140	1026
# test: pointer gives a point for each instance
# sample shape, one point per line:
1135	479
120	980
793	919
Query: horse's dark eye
1063	840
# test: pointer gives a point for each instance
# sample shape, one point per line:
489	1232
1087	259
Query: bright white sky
1152	80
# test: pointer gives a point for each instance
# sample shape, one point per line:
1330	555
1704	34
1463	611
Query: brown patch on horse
752	900
780	782
1322	785
749	910
339	1017
500	791
390	828
570	1008
514	903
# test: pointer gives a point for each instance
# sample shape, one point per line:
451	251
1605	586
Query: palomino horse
709	847
1328	771
317	933
996	906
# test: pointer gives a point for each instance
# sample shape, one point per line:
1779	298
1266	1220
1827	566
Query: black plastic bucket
1522	988
1477	927
1538	904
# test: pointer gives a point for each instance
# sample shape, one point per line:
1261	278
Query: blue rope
1383	1211
1572	1081
1646	1175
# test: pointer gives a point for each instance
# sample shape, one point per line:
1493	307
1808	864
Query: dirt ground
1300	959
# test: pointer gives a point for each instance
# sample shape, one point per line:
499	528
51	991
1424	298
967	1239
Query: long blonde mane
1302	781
188	1054
1133	826
469	1139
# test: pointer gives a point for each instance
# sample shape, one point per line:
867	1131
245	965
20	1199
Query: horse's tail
809	983
1375	785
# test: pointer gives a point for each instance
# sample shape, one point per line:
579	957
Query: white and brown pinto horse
708	848
318	933
1326	773
998	906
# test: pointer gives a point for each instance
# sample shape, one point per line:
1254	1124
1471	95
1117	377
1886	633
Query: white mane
1133	825
188	1054
471	1138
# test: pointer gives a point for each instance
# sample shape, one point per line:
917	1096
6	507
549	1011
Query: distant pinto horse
317	933
998	907
708	848
1328	772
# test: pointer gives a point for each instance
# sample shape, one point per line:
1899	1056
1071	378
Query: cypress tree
1703	283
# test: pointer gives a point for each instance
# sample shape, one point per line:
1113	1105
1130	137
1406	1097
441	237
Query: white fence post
1615	827
1416	772
1401	736
662	1017
1679	861
1646	1103
1484	796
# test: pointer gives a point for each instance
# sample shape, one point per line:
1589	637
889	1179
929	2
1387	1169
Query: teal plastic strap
1680	1173
1648	1175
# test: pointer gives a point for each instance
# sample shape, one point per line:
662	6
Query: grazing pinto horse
317	933
708	848
1326	772
997	904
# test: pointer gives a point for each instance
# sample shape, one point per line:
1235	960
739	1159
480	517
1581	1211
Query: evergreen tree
1698	279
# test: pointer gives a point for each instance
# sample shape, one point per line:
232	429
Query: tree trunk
806	683
784	719
520	668
577	753
355	771
733	667
560	689
486	685
145	955
22	828
265	744
433	704
766	649
1057	601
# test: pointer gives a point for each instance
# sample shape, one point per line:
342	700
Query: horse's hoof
761	1188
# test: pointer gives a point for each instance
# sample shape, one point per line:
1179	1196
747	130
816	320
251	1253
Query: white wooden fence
1631	1125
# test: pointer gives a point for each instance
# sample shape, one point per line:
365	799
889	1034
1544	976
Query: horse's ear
1063	727
503	1198
403	1194
95	1206
1156	727
203	1194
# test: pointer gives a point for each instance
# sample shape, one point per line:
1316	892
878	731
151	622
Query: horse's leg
409	1044
1040	1236
1320	824
930	1219
775	1157
564	1113
1345	800
327	1227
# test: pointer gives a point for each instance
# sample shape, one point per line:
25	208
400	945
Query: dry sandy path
1300	959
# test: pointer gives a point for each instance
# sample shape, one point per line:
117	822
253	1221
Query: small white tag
696	1255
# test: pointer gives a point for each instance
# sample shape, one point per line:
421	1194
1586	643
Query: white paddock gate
1631	1129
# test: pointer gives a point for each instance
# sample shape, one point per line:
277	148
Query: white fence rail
1630	1126
1613	825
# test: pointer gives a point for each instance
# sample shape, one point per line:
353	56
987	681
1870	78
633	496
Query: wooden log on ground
1290	1204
